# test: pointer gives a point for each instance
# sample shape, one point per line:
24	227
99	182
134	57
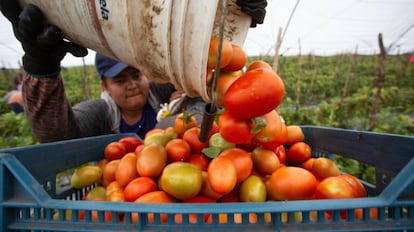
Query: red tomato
138	187
358	187
234	129
191	136
114	150
199	160
130	143
274	133
334	187
280	152
255	93
299	153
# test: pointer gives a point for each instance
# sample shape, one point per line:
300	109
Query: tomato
358	187
334	187
184	121
226	52
191	136
138	187
181	180
130	143
86	176
280	152
255	93
223	83
252	189
233	129
154	197
217	141
238	59
151	161
114	150
291	183
222	175
258	64
323	167
178	150
274	133
206	189
298	153
108	171
199	160
96	194
265	161
126	170
242	161
193	217
294	134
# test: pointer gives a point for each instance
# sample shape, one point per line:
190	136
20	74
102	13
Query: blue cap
108	67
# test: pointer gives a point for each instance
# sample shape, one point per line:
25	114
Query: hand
43	45
254	8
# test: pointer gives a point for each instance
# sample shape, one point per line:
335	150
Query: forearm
48	111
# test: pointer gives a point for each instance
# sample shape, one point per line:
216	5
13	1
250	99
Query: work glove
255	9
43	44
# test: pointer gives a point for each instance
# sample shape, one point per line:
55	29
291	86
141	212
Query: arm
52	118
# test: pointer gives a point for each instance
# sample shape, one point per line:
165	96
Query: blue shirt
146	123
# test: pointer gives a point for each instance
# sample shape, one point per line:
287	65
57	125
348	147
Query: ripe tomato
114	150
155	197
291	183
242	161
334	187
223	83
280	152
358	187
130	143
294	135
138	187
184	121
191	136
178	150
151	161
222	175
206	189
238	59
298	153
265	161
199	160
108	171
323	167
274	133
126	170
233	129
226	52
255	93
258	64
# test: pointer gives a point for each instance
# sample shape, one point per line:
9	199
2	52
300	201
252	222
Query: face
129	89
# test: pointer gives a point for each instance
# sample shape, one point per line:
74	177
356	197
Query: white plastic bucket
167	40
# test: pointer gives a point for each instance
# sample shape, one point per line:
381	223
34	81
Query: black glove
43	45
254	8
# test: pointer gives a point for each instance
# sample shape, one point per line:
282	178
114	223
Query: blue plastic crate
29	200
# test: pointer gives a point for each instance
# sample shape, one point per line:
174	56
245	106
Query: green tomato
253	189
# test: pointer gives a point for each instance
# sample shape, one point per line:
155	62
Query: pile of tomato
250	155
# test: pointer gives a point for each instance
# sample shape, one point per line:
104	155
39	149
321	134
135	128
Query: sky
320	27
